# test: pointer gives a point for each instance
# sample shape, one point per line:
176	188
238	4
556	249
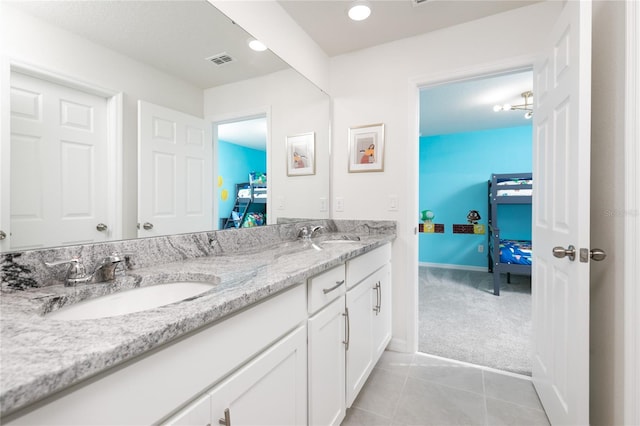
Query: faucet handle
76	274
116	257
303	232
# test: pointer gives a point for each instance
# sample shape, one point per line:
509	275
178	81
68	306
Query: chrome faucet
307	232
76	274
314	230
105	271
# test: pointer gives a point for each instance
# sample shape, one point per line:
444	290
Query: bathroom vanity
287	334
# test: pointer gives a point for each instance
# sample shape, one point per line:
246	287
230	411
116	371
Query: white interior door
58	177
561	166
175	172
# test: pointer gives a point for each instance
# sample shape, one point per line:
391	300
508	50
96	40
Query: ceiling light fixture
527	106
256	45
359	10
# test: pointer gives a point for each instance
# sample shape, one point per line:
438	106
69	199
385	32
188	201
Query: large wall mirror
142	118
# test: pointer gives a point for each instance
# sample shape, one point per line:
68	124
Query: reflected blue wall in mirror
234	165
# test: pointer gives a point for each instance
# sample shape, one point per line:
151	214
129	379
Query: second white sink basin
130	301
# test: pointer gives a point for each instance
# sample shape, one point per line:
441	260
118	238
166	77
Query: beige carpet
461	319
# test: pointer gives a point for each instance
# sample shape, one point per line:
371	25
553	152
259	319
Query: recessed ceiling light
257	45
359	10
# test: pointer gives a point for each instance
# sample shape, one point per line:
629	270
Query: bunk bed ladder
494	235
240	208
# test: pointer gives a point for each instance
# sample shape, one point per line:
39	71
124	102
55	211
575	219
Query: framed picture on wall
366	148
301	158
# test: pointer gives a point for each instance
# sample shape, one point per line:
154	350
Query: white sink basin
129	301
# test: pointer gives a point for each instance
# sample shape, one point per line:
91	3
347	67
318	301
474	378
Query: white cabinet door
197	414
382	310
270	390
359	337
327	365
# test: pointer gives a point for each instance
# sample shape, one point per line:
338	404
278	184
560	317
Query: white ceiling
327	23
250	133
468	105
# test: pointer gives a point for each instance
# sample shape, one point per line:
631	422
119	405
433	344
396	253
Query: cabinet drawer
325	287
362	266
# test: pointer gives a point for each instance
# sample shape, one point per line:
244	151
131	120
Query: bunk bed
250	206
507	256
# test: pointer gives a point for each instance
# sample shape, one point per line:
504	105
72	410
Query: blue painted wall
454	170
234	165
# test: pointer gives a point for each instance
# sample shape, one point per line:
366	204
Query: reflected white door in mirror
59	178
175	172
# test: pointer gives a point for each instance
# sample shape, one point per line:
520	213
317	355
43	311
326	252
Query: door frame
632	218
232	117
411	263
115	137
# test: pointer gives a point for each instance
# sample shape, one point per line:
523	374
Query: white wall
34	42
378	85
607	213
294	106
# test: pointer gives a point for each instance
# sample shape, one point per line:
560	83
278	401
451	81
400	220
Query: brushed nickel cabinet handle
329	290
226	421
347	329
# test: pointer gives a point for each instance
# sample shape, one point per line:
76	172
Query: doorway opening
463	143
240	152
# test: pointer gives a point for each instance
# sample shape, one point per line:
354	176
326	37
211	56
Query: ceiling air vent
221	58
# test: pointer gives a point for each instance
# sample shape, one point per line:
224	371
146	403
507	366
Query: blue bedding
515	252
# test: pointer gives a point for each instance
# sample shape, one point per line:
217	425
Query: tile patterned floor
419	389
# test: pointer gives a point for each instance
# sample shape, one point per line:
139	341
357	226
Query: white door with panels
59	174
561	167
175	172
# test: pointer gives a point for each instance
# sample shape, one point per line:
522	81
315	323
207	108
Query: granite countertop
40	355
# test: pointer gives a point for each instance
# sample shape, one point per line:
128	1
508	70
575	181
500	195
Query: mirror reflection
116	116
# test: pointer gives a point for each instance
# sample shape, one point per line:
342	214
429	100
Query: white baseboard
449	266
399	345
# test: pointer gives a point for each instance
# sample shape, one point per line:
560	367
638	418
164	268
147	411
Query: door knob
2	235
561	252
101	227
148	226
597	254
